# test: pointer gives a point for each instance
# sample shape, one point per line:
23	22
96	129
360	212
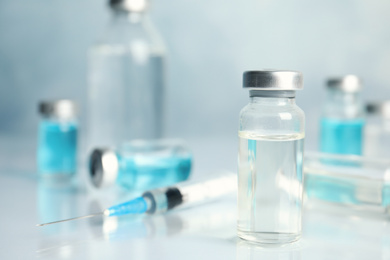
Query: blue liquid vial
57	140
342	123
342	136
140	165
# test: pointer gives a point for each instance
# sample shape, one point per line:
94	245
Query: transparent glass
350	180
150	164
270	180
57	146
342	123
126	83
377	137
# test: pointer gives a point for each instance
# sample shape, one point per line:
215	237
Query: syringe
164	199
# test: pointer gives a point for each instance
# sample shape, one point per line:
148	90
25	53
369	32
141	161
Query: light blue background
43	46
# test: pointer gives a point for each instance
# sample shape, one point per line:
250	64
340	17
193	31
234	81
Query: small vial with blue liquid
141	164
342	122
57	140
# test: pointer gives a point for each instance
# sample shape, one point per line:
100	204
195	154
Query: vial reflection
56	201
246	251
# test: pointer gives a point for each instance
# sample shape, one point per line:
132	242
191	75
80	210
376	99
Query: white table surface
203	232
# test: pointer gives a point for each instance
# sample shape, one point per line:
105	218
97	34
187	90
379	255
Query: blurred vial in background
141	165
126	81
342	120
377	130
57	141
354	181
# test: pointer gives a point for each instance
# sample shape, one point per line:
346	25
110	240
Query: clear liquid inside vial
270	186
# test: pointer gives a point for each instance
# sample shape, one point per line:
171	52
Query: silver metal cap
348	83
373	108
103	167
62	108
129	5
379	108
273	80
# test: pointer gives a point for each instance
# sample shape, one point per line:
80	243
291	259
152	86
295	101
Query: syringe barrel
189	193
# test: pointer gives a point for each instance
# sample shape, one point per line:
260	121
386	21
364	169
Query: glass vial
361	183
342	120
141	165
57	140
377	130
271	138
126	81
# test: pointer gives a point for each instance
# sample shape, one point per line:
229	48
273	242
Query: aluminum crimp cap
273	80
348	83
103	167
379	108
129	5
63	108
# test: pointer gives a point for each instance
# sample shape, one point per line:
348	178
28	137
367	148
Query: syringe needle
135	206
58	221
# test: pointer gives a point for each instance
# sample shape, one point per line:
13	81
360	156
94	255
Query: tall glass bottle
270	159
342	120
126	81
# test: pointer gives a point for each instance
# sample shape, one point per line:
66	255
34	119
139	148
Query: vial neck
341	104
122	16
272	101
272	97
60	118
343	97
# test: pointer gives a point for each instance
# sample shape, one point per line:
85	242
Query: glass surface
57	147
150	164
341	136
270	187
208	230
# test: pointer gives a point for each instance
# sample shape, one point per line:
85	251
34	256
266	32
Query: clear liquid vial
270	160
140	165
342	121
57	140
125	79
